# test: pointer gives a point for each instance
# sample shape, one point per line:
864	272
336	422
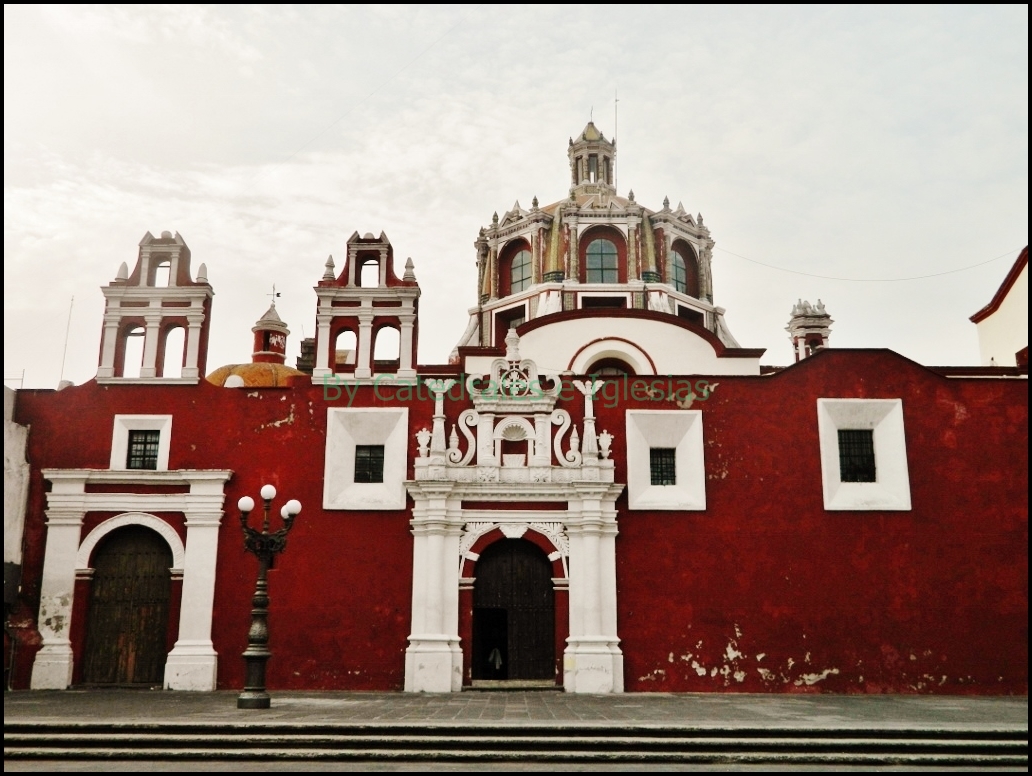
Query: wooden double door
127	624
513	613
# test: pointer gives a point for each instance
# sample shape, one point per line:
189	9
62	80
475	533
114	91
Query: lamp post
264	546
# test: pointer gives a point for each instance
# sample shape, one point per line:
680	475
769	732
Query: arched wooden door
513	613
127	625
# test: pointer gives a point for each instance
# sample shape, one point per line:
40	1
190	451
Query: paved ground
469	708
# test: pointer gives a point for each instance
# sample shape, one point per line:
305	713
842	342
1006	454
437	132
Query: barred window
369	463
663	465
143	450
856	455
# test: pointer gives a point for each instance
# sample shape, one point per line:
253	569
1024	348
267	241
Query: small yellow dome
254	375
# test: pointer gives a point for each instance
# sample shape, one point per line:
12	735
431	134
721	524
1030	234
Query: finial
202	273
410	270
630	195
698	219
666	203
534	202
494	218
329	274
512	345
166	235
123	272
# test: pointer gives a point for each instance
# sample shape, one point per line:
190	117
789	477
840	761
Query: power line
868	280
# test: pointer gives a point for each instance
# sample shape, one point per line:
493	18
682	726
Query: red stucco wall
764	591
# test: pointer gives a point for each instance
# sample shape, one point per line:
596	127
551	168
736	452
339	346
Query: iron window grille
143	450
663	465
369	463
856	455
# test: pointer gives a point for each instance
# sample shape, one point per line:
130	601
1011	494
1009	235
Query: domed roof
254	375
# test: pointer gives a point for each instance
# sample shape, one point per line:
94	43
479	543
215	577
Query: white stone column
150	344
191	368
433	660
406	366
593	662
107	353
323	367
192	663
363	368
52	668
485	440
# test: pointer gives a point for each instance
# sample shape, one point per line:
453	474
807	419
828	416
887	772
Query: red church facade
551	507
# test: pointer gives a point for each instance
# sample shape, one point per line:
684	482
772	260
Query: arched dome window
603	262
685	269
520	272
610	367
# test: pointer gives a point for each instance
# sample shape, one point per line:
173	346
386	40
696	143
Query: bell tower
153	302
809	328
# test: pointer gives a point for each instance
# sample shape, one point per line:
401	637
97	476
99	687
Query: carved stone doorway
127	625
513	613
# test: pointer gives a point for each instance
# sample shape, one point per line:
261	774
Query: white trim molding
192	663
680	430
120	437
346	428
891	489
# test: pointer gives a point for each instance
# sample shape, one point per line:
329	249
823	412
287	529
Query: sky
834	152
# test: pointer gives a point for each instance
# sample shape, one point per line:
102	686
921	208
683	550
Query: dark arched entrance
513	613
127	625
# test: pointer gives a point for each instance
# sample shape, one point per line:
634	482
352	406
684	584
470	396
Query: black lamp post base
254	700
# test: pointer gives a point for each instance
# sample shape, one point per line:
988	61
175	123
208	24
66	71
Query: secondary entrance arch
513	613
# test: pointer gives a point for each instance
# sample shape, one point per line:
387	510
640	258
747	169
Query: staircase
482	741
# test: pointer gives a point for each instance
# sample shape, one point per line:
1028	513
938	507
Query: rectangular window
369	463
663	465
856	455
143	450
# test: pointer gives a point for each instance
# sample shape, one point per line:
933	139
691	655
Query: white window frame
120	438
677	429
348	427
891	489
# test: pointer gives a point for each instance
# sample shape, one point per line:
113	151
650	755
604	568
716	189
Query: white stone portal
515	404
192	663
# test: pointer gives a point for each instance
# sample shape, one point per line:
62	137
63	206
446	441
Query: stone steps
501	742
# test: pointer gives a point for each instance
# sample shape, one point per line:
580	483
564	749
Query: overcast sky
848	142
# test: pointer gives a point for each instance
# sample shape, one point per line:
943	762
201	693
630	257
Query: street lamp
264	546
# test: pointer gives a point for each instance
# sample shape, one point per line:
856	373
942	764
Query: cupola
592	161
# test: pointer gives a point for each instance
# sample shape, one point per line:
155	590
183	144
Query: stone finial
534	202
630	196
123	272
666	203
328	273
166	235
410	270
512	345
494	218
202	273
698	219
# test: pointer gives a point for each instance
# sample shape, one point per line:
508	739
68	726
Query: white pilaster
193	662
406	367
433	660
52	668
593	662
107	355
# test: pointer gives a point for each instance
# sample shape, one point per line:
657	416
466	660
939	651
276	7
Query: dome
254	375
